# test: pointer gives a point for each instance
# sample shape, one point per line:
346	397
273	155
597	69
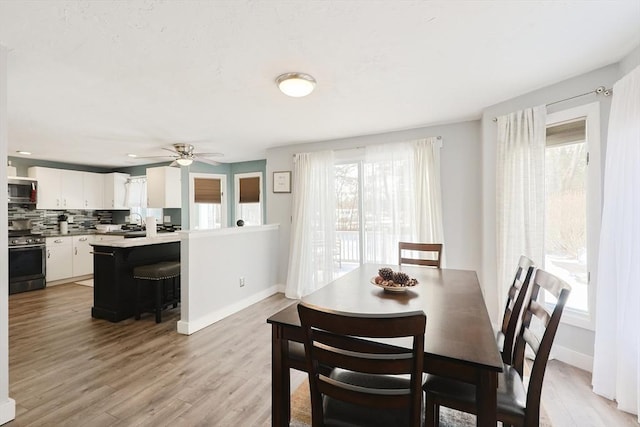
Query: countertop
141	241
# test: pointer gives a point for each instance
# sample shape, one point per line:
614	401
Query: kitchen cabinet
115	191
82	255
68	189
69	256
93	190
59	258
164	187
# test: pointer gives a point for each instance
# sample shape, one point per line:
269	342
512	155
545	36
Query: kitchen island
114	289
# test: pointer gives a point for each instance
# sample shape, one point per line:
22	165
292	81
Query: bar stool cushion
158	271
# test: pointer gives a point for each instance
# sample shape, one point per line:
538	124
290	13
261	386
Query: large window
572	203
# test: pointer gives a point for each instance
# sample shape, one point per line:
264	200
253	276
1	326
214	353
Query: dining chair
517	405
435	249
516	298
370	383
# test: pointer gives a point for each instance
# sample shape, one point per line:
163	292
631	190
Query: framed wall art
282	182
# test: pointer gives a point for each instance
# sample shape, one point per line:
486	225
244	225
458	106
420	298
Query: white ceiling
89	82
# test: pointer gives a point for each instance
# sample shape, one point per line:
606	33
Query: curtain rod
360	147
600	90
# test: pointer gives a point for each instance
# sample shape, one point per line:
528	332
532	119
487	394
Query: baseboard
7	410
189	327
572	357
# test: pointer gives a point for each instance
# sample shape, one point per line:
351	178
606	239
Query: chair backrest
434	248
516	298
539	338
339	340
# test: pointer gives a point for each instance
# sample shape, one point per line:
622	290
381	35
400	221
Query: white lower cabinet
69	256
59	258
82	256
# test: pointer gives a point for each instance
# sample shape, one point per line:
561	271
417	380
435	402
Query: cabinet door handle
76	251
83	239
57	241
48	254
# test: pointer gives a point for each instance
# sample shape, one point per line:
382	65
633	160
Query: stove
27	261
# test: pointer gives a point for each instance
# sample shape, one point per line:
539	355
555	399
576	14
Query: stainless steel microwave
22	191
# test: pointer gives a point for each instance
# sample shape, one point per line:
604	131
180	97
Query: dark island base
114	289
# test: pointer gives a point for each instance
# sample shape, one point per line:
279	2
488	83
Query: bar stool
163	292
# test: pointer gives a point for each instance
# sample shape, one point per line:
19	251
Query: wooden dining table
459	338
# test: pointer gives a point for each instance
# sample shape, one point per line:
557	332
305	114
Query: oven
27	262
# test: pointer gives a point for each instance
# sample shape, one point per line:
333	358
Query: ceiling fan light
184	161
296	85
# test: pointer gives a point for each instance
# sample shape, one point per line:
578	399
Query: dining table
459	338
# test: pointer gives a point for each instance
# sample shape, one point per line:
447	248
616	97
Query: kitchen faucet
141	220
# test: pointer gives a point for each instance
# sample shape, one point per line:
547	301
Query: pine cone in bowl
386	273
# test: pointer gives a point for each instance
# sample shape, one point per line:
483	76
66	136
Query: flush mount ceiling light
132	155
296	84
26	153
184	161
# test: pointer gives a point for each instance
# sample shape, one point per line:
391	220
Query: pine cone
400	278
386	273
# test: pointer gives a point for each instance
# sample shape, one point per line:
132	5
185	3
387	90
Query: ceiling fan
184	155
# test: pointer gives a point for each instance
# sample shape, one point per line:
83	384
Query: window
248	198
572	204
136	198
207	205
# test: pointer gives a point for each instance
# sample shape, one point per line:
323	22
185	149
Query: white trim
223	196
594	204
572	357
236	178
188	328
7	410
201	234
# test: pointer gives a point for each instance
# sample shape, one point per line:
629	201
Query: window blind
207	190
250	190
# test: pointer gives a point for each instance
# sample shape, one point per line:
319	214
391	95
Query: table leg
280	379
487	398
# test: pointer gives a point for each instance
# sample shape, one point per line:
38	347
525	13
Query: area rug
301	412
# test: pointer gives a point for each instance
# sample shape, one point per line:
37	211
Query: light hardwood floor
67	369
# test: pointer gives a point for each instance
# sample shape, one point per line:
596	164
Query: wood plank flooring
66	368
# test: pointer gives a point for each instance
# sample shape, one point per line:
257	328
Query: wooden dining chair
370	383
516	298
517	405
435	249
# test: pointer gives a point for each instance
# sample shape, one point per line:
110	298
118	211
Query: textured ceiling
90	82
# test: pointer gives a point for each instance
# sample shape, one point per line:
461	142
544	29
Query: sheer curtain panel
136	192
520	191
616	359
313	237
401	197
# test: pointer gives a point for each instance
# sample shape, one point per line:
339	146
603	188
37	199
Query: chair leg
432	412
138	293
158	285
174	283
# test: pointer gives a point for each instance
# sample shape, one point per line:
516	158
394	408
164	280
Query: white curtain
313	237
616	359
136	192
401	197
520	191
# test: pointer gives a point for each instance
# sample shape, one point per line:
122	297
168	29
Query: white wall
7	405
213	261
460	175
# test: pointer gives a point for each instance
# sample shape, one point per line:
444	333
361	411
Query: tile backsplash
46	221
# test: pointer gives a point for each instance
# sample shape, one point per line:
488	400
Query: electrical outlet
126	219
241	282
69	219
167	219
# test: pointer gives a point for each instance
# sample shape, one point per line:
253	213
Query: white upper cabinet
93	190
115	190
164	187
68	189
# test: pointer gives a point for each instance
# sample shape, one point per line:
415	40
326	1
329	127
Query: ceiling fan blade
207	161
154	157
208	154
